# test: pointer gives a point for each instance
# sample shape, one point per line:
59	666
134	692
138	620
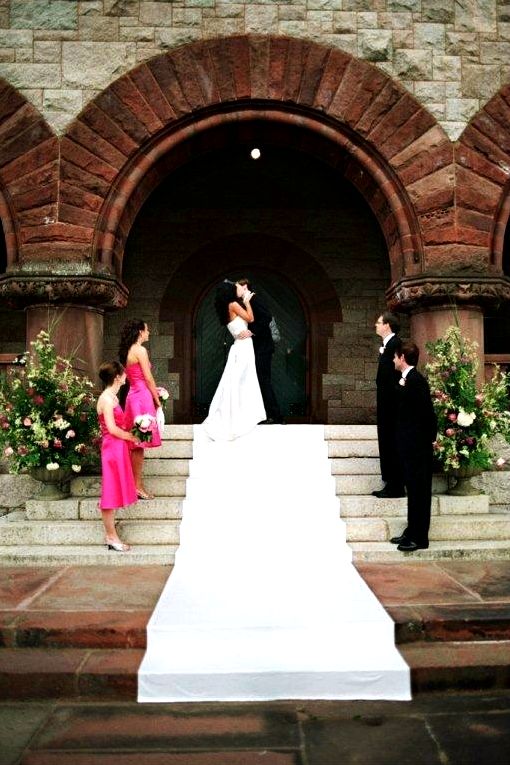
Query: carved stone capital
20	291
424	291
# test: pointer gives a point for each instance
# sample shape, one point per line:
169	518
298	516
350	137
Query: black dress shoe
269	421
388	493
402	539
409	546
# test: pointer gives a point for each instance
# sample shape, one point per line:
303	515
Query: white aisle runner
263	602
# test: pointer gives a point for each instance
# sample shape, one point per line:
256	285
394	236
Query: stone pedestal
76	331
431	323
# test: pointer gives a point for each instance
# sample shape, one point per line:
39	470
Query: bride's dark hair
225	293
129	336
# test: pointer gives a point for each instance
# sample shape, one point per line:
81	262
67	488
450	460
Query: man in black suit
263	346
416	432
387	327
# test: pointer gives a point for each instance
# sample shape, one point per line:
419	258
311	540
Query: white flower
52	466
465	419
8	451
76	468
402	381
500	462
144	421
163	393
61	424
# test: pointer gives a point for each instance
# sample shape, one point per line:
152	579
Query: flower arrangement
467	417
47	414
143	426
163	394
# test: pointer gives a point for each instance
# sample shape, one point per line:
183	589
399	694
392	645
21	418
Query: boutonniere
381	349
402	381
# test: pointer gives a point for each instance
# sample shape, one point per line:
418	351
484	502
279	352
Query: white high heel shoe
117	546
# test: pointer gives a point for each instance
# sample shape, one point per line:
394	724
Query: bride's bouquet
160	412
143	427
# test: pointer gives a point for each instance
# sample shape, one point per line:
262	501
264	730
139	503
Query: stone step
354	448
361	506
87	509
168	467
177	433
488	526
468	549
178	449
136	532
366	484
43	673
161	485
350	432
355	466
86	555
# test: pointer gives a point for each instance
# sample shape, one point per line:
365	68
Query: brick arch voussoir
483	162
113	141
28	175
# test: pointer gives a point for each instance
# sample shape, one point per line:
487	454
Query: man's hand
244	334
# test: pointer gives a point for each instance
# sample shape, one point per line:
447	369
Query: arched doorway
289	368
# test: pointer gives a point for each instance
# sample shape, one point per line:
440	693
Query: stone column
431	323
76	331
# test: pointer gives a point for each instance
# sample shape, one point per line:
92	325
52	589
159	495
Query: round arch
219	259
124	138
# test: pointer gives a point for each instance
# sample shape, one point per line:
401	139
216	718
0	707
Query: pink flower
30	391
500	462
450	432
38	400
452	417
27	421
479	398
57	443
5	425
70	434
8	451
22	450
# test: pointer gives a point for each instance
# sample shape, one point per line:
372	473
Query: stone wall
453	55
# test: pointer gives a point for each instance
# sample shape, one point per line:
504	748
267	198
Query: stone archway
121	143
219	259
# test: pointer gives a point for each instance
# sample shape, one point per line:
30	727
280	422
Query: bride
237	405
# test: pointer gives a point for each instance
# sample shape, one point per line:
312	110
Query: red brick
260	48
345	95
408	133
222	70
11	101
336	65
479	164
76	154
33	159
370	86
106	128
47	251
37	132
36	197
312	75
433	192
165	77
77	629
127	92
184	66
397	116
380	107
492	121
204	71
476	193
149	88
28	673
77	197
110	673
475	139
111	105
90	140
78	216
53	232
37	215
239	56
297	56
80	178
424	160
42	176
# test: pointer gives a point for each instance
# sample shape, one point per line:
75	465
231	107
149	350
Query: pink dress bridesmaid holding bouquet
142	398
117	484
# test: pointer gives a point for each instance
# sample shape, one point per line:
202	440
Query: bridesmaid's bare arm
142	357
105	407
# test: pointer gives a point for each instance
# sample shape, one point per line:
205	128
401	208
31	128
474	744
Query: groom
263	347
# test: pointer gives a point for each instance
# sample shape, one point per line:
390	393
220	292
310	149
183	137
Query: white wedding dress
237	405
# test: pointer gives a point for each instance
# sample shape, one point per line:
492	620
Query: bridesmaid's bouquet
164	395
143	426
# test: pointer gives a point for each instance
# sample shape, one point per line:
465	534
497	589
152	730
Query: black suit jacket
416	419
386	379
262	338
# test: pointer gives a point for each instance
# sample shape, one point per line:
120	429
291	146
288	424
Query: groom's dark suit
416	430
263	345
386	381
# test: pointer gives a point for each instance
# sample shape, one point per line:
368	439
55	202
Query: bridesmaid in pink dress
143	397
117	485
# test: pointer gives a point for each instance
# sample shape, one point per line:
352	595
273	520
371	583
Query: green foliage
47	413
467	417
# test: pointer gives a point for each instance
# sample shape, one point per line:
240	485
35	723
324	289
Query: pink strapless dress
139	401
117	485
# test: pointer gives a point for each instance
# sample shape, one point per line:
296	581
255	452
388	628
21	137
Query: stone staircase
70	531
